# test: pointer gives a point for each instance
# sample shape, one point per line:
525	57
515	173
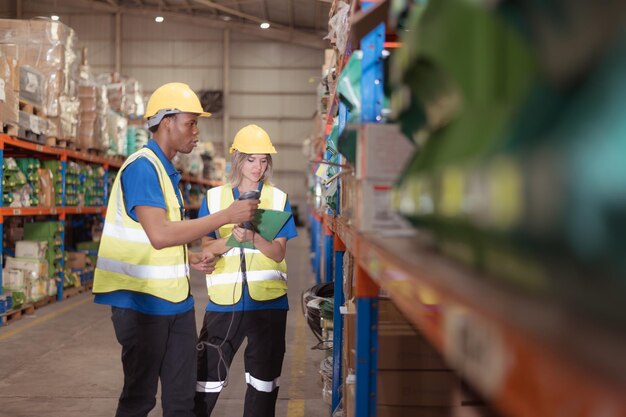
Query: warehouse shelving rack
11	146
528	357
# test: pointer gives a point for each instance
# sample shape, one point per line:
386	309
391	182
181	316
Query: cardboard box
31	85
77	260
33	268
382	151
10	53
417	388
348	196
373	211
9	105
31	249
13	278
410	411
404	348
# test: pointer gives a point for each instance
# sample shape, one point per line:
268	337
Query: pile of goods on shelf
517	170
49	96
25	183
512	139
35	270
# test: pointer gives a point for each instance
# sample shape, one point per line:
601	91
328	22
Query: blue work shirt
140	184
246	303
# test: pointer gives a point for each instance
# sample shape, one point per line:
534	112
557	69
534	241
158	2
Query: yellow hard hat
252	139
172	98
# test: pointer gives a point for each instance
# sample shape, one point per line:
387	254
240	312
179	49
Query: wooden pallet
60	143
7	128
45	301
72	291
31	108
29	135
16	314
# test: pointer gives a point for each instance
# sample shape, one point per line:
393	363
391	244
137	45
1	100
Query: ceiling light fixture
54	17
264	25
159	19
226	18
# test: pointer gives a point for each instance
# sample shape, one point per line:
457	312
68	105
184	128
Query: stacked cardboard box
48	48
92	119
28	271
381	153
413	379
8	87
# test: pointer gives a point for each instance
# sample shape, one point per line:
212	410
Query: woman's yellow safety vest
266	278
126	258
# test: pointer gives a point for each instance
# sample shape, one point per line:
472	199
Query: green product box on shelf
44	230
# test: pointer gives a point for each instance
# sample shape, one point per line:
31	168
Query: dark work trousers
156	347
263	359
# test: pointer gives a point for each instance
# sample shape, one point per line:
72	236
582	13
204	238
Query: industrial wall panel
295	187
272	106
274	80
289	159
148	53
295	132
273	55
199	53
145	28
172	53
99	52
99	27
197	78
210	129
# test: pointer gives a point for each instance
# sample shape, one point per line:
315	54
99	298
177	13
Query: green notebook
267	223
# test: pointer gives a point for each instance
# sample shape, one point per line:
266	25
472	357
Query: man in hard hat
142	270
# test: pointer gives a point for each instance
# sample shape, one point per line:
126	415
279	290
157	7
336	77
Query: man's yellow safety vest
266	278
126	258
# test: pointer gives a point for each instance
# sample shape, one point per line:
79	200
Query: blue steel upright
338	328
339	297
328	255
372	96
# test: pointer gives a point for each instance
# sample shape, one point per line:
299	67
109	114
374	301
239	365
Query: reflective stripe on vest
126	258
267	279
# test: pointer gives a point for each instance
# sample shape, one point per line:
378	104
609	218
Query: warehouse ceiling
301	22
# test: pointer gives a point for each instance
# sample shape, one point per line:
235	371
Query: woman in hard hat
142	270
248	288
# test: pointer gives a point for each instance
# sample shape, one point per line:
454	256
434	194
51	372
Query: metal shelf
527	356
30	211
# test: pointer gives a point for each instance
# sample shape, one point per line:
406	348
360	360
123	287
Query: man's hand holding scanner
242	211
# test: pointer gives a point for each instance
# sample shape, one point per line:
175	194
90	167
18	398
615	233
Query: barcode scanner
249	195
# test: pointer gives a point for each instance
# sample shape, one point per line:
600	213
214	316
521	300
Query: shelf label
475	349
17	212
39	148
79	210
53	211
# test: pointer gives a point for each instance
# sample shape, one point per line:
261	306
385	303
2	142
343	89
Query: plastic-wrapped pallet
8	98
117	126
50	47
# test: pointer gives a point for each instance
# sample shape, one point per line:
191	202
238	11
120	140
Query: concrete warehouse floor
64	361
